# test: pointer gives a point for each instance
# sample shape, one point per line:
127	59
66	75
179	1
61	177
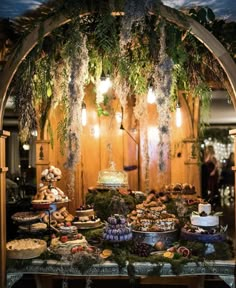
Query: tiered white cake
203	218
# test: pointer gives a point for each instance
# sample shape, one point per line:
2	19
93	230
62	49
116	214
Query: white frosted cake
204	219
204	207
204	226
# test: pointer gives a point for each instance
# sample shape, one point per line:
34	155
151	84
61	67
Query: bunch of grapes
141	249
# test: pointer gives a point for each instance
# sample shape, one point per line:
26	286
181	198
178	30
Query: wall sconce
34	133
84	114
178	115
95	131
118	116
151	97
26	146
105	84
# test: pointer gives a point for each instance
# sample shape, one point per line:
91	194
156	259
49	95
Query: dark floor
28	281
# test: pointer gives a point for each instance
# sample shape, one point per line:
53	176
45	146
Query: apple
64	238
159	245
172	249
73	250
80	248
90	250
68	224
79	236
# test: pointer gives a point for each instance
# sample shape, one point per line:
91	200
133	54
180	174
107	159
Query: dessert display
25	248
203	217
152	223
68	242
86	218
117	229
51	174
27	216
179	188
49	193
204	226
151	216
34	228
112	178
58	218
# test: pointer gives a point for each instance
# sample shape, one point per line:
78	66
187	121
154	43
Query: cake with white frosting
204	226
203	217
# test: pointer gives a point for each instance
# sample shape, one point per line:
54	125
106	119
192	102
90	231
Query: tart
26	216
36	227
25	248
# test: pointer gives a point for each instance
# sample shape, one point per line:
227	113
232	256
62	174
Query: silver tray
167	237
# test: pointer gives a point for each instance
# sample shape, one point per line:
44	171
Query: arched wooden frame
30	41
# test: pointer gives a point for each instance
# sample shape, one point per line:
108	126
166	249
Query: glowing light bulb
151	97
26	146
84	114
178	119
105	84
34	133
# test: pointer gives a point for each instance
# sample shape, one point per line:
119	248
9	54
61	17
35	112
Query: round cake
204	221
204	208
25	248
202	218
86	218
27	216
68	240
34	228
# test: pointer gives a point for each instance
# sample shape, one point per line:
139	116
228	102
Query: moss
110	202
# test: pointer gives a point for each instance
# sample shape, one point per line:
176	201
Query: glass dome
112	178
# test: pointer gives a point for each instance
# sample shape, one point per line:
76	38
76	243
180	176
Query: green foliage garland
126	50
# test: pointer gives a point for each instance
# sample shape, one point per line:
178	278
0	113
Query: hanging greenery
132	49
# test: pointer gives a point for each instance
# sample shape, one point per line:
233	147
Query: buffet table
226	270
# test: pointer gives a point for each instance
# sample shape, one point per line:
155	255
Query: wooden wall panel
126	148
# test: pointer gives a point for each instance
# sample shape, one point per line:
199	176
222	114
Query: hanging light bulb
118	116
151	97
26	146
105	84
34	133
178	119
84	114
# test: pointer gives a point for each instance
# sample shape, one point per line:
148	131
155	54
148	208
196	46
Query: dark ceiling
223	9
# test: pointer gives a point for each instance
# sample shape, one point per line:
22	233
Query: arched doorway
31	40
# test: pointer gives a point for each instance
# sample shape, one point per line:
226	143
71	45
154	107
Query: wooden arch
31	40
171	14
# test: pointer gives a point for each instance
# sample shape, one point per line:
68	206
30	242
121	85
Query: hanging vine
131	49
162	86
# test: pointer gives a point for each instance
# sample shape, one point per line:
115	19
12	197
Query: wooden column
233	133
191	162
3	170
